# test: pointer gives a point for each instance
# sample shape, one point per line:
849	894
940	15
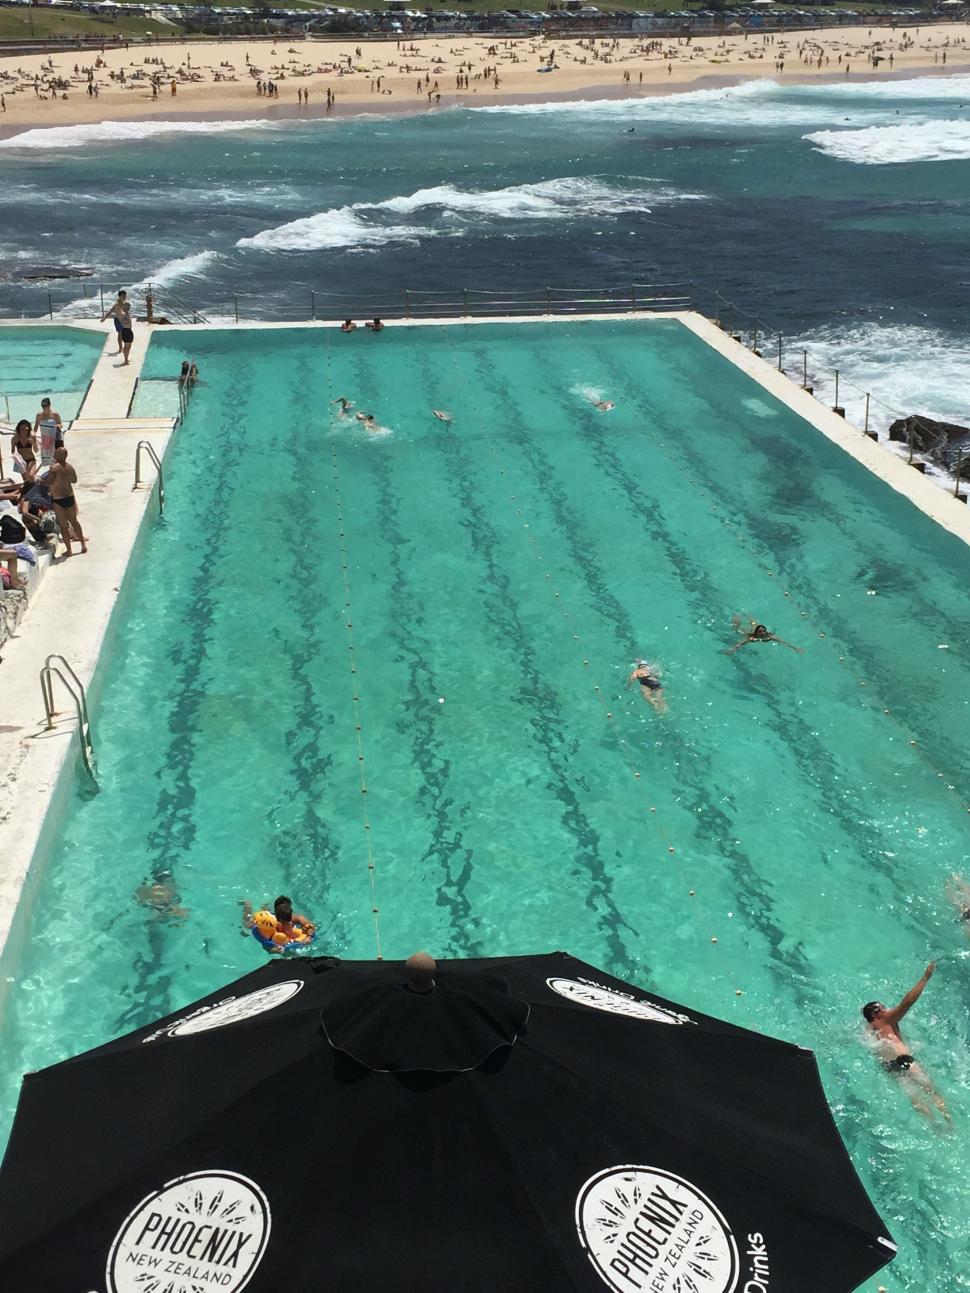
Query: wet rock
941	440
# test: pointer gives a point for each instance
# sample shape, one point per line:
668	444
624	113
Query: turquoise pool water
444	615
35	362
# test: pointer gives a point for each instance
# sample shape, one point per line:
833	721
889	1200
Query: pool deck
69	614
72	610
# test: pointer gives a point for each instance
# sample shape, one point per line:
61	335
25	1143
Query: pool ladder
150	450
57	666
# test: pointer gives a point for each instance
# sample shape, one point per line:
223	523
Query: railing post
633	296
779	352
50	305
235	303
805	370
313	305
956	486
836	388
101	288
464	294
407	304
865	425
548	302
754	340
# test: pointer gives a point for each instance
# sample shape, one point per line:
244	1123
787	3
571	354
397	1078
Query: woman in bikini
24	444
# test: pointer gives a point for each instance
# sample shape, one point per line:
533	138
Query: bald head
420	967
60	454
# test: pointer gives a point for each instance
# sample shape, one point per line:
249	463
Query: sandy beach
294	75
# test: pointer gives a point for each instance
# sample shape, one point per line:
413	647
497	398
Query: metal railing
159	474
55	666
816	377
823	381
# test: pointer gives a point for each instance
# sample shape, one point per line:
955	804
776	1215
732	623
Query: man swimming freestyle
893	1053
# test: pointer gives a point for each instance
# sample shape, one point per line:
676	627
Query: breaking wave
363	224
117	132
930	141
907	369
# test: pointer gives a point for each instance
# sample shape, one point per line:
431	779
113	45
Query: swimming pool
39	361
388	671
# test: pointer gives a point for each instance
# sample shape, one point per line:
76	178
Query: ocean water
444	614
839	213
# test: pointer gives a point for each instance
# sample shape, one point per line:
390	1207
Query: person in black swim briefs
883	1027
61	480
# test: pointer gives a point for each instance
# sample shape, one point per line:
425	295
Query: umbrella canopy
622	1142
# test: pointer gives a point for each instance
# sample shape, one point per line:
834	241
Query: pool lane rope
358	726
621	742
760	560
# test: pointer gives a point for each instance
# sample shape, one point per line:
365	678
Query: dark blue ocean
840	214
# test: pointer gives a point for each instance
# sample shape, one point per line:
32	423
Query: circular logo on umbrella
206	1230
616	1003
646	1229
230	1011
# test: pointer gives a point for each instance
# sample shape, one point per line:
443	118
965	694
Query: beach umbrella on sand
511	1125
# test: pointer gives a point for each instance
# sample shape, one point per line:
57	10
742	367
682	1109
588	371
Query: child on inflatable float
279	930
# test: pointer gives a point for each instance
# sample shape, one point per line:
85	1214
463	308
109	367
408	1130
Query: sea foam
117	132
365	224
929	141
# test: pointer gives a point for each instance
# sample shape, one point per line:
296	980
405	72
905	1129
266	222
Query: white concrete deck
69	614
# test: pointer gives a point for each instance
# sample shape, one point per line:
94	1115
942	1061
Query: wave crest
364	224
117	132
929	141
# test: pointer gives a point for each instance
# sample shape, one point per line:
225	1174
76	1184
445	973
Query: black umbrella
569	1133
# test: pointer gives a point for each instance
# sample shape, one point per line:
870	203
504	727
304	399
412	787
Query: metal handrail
160	477
76	692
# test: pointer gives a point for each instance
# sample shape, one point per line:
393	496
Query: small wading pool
35	362
773	849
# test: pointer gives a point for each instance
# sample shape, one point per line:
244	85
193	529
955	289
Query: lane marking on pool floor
358	726
760	559
621	743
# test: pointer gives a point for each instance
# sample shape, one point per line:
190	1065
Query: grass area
50	23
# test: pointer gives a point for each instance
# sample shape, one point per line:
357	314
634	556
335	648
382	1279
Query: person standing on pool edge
61	480
117	313
883	1024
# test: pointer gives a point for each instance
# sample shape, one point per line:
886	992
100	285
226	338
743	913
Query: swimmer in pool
651	688
160	896
895	1058
442	416
755	632
958	891
604	406
345	406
